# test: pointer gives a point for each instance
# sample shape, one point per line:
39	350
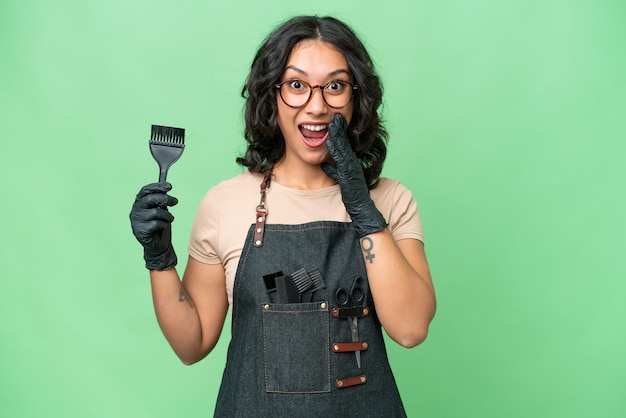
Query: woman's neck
309	177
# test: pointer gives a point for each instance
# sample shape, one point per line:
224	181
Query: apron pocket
296	347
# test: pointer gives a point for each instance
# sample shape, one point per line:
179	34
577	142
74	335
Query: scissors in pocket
355	298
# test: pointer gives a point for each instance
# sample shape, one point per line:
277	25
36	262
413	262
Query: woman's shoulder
241	182
386	183
388	188
233	200
391	194
240	189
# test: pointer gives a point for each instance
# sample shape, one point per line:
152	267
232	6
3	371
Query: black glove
152	225
349	174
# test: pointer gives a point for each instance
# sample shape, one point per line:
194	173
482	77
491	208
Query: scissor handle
357	293
342	297
355	297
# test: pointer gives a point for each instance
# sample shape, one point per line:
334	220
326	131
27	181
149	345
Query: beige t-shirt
228	209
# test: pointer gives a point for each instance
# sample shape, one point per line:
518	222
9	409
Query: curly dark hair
266	144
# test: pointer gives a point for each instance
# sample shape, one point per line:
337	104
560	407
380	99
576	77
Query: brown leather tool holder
350	347
350	312
346	382
340	347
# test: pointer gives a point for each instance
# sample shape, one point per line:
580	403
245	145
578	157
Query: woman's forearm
400	285
176	314
191	314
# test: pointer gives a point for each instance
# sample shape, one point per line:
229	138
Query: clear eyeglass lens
296	93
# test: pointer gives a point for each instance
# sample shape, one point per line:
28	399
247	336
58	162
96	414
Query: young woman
312	251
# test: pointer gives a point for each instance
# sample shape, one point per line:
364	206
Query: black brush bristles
167	135
166	145
302	280
318	281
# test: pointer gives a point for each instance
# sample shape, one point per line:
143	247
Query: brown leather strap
261	214
347	347
350	312
346	382
259	228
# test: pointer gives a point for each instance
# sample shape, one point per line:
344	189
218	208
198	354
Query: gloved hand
349	174
151	224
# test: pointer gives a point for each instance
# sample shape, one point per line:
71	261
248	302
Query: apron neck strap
261	212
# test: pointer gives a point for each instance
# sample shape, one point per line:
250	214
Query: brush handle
165	155
163	174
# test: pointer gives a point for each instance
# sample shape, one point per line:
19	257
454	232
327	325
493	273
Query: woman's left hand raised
349	174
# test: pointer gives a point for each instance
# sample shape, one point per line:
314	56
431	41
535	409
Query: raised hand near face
349	174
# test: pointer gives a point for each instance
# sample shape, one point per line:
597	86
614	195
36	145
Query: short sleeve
204	239
398	206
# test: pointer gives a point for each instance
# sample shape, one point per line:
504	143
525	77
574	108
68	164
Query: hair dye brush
166	145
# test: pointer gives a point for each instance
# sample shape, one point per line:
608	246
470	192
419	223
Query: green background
506	122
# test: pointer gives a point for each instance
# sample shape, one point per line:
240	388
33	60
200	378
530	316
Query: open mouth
314	135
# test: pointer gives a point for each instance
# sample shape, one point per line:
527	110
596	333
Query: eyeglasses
297	93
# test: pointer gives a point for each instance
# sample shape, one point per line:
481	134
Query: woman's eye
335	86
296	85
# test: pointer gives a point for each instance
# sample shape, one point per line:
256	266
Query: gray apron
296	359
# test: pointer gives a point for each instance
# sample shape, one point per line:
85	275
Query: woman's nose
317	105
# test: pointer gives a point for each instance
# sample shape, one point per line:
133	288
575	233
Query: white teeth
314	127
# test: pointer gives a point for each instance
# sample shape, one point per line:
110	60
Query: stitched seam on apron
279	229
236	291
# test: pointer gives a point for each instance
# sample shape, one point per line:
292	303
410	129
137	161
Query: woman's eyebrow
332	73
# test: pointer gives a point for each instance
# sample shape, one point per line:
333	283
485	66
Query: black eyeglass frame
278	86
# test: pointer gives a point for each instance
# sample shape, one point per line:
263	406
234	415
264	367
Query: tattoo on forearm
368	248
183	296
